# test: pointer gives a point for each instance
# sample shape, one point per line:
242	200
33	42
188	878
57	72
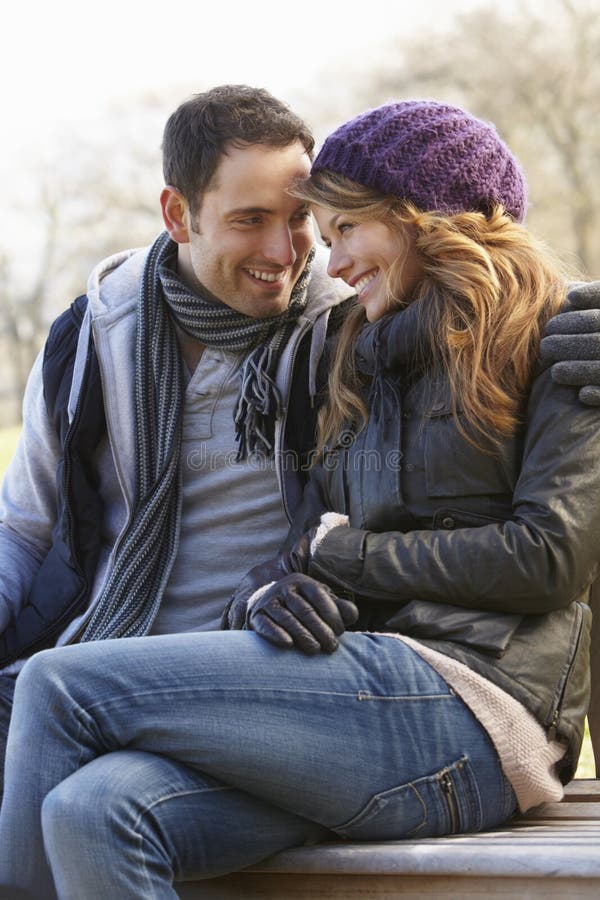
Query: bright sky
62	60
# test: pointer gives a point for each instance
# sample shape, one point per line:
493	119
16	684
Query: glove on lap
300	611
294	560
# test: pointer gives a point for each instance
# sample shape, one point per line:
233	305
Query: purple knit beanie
437	156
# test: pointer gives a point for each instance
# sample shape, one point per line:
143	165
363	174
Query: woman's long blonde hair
487	292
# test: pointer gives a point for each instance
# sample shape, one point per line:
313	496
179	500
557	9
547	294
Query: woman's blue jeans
7	689
134	762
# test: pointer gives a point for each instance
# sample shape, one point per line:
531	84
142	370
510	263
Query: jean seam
365	695
175	794
144	873
467	796
80	745
144	812
196	690
425	819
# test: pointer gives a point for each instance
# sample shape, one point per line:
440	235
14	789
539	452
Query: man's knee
79	836
104	798
63	814
78	810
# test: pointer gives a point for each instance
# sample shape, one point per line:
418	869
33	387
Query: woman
450	522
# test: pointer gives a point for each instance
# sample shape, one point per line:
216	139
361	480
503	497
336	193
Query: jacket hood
113	284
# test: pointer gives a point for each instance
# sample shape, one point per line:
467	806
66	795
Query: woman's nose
339	262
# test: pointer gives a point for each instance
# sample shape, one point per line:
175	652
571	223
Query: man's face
249	242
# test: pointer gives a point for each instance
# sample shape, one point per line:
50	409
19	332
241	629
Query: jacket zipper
280	427
447	786
67	470
554	718
98	341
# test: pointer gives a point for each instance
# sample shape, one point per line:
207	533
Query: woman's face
362	253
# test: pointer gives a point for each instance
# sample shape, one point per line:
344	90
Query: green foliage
586	767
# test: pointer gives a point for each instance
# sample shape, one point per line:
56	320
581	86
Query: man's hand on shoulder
572	342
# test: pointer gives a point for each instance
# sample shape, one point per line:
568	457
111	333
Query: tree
98	197
537	77
22	320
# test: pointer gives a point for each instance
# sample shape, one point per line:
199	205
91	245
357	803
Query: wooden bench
551	852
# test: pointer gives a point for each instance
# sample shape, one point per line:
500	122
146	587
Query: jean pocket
447	802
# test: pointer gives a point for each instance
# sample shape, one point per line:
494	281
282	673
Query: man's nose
279	247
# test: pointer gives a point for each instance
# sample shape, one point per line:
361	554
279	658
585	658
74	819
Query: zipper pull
446	783
448	788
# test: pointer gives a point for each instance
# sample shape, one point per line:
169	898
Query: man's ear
175	213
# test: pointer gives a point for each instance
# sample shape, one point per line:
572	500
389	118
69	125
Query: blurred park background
87	90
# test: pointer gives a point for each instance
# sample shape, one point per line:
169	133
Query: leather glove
573	343
295	559
300	611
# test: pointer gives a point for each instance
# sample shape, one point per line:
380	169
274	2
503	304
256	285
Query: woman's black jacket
486	557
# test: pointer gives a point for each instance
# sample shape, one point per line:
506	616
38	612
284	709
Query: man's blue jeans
189	756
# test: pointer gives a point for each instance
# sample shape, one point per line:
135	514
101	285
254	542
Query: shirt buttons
448	522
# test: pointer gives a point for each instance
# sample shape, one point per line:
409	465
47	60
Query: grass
586	767
8	441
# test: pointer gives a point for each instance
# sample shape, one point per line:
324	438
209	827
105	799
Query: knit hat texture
439	157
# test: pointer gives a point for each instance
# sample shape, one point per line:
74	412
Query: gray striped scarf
133	590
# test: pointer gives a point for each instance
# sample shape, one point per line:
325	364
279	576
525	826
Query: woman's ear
175	213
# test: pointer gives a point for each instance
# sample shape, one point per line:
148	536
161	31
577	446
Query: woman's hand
296	559
299	611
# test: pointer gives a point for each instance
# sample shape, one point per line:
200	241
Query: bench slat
571	810
550	853
582	790
250	886
537	851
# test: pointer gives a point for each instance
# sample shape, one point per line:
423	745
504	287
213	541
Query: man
173	401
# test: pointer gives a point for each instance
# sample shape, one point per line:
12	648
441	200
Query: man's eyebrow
248	210
254	210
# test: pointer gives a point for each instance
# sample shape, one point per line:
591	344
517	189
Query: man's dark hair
203	127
